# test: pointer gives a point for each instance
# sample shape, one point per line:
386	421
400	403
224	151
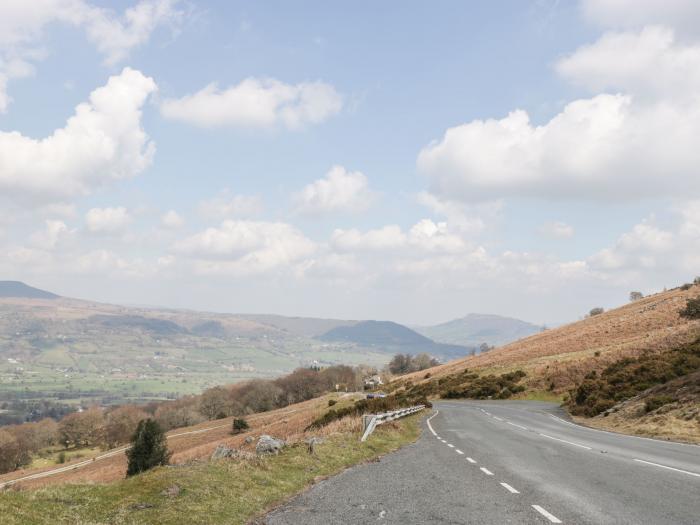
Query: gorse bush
630	376
240	425
692	309
656	402
148	448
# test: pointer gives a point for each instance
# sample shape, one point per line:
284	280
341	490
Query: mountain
301	326
475	329
392	338
19	289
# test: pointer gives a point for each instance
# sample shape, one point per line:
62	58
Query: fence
370	421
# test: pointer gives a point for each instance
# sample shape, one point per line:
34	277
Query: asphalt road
510	462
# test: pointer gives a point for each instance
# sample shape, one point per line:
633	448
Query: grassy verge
227	491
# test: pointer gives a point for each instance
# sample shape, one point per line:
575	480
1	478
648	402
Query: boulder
248	440
222	451
269	445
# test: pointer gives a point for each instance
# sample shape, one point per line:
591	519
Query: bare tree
121	424
214	403
82	428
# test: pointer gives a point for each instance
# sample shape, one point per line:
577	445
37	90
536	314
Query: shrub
240	425
331	402
686	286
596	311
655	402
148	448
636	296
692	309
61	457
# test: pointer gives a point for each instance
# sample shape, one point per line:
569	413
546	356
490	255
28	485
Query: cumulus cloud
229	205
629	14
557	230
107	220
172	219
22	25
103	141
256	103
339	191
245	247
54	232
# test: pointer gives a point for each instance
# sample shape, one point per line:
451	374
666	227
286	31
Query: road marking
486	471
443	440
431	426
470	460
496	417
549	516
509	488
519	426
669	468
450	445
458	451
567	442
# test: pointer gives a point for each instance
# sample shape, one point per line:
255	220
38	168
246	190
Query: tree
214	403
636	296
148	448
121	424
400	364
179	413
10	453
260	395
596	311
82	428
484	347
423	361
239	425
692	309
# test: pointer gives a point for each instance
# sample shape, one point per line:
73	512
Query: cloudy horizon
398	161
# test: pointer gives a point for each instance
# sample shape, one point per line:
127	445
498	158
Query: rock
222	451
248	440
312	442
171	492
269	445
142	506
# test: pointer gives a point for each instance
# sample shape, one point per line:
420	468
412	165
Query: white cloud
256	103
626	14
228	205
385	238
54	232
557	230
339	191
172	219
107	220
246	247
102	142
22	25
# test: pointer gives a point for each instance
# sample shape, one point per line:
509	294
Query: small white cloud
557	230
256	103
107	220
172	219
54	232
227	205
339	191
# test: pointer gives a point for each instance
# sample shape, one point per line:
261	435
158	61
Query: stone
269	445
172	492
222	452
312	442
248	440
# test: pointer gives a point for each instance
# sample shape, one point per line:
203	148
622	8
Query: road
520	462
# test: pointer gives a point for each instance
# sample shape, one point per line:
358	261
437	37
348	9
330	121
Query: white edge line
509	488
519	426
567	442
669	468
431	426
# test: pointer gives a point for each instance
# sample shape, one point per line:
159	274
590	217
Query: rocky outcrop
269	445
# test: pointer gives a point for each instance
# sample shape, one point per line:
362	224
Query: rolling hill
19	289
393	337
476	329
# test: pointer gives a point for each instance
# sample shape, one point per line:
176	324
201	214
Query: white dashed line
450	445
669	468
509	488
486	471
498	418
567	442
549	516
458	451
470	460
519	426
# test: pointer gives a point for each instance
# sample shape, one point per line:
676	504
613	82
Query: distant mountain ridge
392	337
19	289
475	329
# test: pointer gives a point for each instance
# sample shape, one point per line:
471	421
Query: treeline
116	425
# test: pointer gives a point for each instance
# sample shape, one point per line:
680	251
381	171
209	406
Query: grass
49	457
226	491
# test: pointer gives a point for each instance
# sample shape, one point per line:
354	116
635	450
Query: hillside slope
19	289
476	329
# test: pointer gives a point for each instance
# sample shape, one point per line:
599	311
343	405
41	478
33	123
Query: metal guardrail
370	421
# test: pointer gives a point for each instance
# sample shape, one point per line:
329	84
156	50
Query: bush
148	448
61	457
331	402
596	311
692	309
655	402
240	425
686	286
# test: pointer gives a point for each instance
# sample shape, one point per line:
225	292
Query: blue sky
398	160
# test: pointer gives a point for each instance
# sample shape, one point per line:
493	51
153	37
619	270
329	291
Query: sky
399	160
